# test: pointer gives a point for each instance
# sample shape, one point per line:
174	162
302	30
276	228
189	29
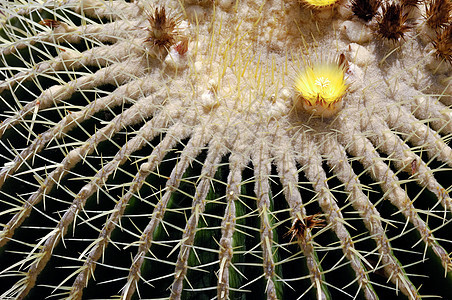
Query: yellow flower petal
319	3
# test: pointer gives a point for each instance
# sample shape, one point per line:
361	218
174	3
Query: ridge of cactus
225	149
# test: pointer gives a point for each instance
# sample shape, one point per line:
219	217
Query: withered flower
299	226
365	9
163	29
438	13
392	22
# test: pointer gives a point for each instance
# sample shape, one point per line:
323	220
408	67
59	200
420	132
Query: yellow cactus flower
319	3
320	88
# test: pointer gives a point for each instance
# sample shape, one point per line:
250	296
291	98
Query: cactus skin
129	169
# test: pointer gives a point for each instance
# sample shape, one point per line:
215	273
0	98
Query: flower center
322	82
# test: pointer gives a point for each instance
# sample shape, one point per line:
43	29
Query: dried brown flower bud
443	44
50	23
392	23
410	3
365	9
438	13
299	226
182	46
163	29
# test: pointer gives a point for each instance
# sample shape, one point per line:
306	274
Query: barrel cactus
168	149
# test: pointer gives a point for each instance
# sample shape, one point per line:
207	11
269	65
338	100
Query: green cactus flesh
159	150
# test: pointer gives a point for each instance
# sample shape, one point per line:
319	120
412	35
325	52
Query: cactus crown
160	151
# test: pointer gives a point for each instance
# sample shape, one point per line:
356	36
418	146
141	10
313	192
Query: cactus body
155	150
